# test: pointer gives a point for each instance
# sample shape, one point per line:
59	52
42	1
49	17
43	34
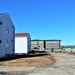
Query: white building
22	43
7	33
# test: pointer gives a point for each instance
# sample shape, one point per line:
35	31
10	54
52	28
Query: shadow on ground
22	56
14	73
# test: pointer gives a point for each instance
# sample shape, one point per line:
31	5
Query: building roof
21	34
45	40
1	14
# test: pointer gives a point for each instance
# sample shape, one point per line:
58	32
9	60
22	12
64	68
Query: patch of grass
15	73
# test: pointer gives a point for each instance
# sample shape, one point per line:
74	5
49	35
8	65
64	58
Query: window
13	50
7	45
0	23
12	40
7	30
0	41
37	42
7	40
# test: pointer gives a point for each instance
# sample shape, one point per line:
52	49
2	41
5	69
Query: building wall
37	44
6	35
33	44
29	43
46	44
21	45
52	44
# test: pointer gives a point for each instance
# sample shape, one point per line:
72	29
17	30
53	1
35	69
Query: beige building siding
38	44
46	44
53	44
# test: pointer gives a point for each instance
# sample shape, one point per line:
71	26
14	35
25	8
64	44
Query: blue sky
43	19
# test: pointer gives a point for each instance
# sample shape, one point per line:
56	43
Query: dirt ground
68	52
14	73
39	59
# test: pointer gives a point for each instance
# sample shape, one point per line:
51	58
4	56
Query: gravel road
65	65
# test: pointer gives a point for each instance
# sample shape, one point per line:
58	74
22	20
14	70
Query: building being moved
7	34
22	43
46	45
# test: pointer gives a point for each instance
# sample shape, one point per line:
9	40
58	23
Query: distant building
22	43
7	34
46	44
56	44
37	44
69	48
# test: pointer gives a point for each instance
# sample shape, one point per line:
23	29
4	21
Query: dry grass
15	73
63	51
68	52
36	60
